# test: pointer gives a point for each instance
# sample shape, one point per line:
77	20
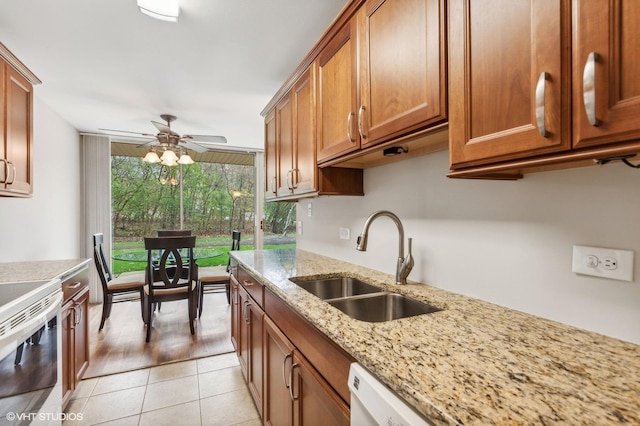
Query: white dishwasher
373	403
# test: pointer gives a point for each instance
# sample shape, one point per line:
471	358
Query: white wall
47	225
509	243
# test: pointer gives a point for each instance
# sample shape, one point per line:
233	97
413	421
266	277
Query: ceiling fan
168	139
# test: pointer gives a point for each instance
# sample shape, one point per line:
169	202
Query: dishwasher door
372	403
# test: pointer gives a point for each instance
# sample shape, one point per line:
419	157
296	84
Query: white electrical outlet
616	264
345	233
299	227
309	210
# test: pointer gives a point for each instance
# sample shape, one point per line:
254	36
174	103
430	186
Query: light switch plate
616	264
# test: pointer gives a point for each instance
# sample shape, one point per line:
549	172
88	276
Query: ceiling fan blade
188	143
163	127
206	138
146	144
125	131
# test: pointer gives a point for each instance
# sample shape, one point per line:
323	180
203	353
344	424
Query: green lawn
120	266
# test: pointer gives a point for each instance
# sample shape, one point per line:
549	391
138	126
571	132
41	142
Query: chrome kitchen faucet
404	265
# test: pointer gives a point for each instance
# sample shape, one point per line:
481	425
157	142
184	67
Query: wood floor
121	346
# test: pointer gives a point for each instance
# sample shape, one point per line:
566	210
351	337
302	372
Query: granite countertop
43	270
473	362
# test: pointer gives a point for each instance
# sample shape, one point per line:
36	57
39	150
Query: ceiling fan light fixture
185	159
169	158
164	10
151	157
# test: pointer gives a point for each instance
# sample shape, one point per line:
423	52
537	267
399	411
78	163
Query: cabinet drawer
75	283
253	286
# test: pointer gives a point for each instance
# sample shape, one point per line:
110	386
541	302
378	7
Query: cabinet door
68	378
254	377
304	131
278	359
235	317
401	69
81	334
315	402
606	95
243	332
19	96
284	130
336	100
271	155
509	74
3	153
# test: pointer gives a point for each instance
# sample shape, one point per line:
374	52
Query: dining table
200	253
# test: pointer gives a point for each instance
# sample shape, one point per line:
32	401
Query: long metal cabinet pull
589	88
293	398
284	366
351	139
360	111
540	111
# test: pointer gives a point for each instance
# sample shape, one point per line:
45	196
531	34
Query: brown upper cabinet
270	156
16	126
295	127
509	80
541	84
382	76
290	145
606	58
337	101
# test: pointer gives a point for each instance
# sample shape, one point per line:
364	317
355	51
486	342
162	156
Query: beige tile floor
206	391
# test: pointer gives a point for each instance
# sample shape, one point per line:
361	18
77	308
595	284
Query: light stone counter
473	362
39	270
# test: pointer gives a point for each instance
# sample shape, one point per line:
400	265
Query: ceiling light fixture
169	157
164	10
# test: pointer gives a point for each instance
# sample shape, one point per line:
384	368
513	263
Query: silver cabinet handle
284	366
589	88
295	178
293	398
244	312
274	185
360	111
540	112
290	179
351	139
13	175
79	316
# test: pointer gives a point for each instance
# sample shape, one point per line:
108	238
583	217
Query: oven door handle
15	336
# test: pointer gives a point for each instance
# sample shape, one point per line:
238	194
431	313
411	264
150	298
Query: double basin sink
363	301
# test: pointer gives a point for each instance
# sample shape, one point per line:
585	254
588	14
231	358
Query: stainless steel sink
382	307
332	288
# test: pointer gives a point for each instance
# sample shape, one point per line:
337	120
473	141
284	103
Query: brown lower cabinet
286	385
75	332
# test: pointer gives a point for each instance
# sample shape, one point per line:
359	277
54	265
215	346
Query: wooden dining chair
217	275
172	276
111	286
